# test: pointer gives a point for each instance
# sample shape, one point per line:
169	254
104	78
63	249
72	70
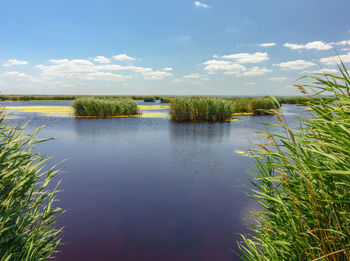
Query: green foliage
104	107
149	99
200	109
35	97
302	182
165	99
27	211
218	109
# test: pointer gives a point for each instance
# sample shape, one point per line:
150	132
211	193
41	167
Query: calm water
148	188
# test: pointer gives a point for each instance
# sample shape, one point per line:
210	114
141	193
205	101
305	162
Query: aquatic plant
294	100
255	105
302	182
27	198
104	107
264	105
35	97
200	109
149	99
165	99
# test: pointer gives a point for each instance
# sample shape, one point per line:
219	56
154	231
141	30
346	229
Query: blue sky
183	47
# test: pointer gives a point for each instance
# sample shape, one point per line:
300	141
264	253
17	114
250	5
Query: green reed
35	97
28	208
165	99
104	107
149	99
302	182
200	109
218	109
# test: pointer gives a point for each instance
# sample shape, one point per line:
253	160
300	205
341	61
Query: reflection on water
150	189
199	132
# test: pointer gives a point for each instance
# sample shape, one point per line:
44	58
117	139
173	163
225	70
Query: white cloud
228	67
123	57
324	70
148	73
316	45
248	58
256	71
86	70
155	75
177	80
101	59
232	68
295	65
77	69
14	74
333	60
345	42
199	4
12	62
278	79
192	76
267	44
250	83
347	49
168	69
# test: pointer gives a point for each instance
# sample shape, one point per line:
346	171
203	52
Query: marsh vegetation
105	107
200	109
27	198
302	182
219	109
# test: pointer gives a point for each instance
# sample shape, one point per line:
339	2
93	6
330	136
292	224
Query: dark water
148	188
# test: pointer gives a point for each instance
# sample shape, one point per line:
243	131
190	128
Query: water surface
148	188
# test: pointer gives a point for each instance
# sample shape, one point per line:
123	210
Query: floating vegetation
105	107
242	153
200	109
302	182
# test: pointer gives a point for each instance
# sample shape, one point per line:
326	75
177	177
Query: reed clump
165	99
149	99
200	109
105	107
35	97
27	198
302	182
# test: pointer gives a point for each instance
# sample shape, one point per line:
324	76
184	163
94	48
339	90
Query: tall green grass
27	201
149	99
302	182
104	107
200	109
256	105
165	99
35	97
218	109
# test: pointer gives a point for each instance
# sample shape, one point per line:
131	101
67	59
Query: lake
147	188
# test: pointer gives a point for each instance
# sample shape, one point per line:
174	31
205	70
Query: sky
169	47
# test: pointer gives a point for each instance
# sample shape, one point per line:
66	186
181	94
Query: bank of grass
165	99
200	109
28	208
302	182
255	105
36	97
105	107
149	99
218	109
